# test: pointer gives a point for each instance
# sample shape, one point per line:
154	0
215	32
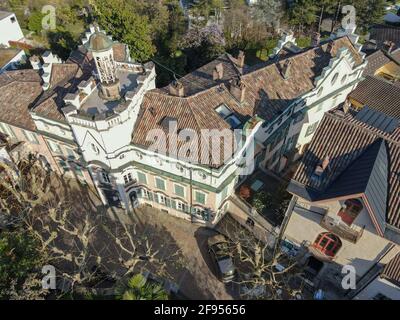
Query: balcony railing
341	229
130	183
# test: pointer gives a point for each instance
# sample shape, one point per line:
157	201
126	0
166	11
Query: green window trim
160	183
142	177
200	197
179	190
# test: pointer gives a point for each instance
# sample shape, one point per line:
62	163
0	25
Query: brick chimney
218	72
389	46
238	89
240	59
286	69
325	163
329	47
320	169
177	89
315	39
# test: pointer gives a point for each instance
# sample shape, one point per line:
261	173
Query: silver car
219	250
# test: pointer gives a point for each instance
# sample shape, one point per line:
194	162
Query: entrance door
313	267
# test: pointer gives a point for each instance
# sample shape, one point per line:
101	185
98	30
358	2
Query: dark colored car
219	250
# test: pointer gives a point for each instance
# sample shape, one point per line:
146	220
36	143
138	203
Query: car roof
216	239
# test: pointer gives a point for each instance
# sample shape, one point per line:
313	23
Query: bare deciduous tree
263	273
86	247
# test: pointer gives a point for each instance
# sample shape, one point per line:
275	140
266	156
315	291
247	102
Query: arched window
328	243
350	211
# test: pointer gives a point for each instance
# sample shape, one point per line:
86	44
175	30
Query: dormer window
227	114
350	210
320	169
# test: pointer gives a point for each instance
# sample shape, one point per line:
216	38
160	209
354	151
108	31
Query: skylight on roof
223	111
227	114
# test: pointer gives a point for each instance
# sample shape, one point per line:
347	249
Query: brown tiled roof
18	89
119	51
195	112
382	33
391	271
202	78
65	77
344	139
62	71
378	94
375	61
267	92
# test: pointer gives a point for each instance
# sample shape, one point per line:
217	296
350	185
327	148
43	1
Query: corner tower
101	47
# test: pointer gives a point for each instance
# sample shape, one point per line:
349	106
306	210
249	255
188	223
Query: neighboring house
98	110
10	29
10	58
386	285
379	90
381	34
345	206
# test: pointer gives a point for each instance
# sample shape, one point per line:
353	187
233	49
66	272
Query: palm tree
138	288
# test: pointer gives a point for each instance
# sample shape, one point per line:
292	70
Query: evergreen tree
121	19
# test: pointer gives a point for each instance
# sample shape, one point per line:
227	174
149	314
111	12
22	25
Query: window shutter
168	202
151	196
173	204
156	197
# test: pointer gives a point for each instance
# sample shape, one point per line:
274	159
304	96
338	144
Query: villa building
93	117
345	206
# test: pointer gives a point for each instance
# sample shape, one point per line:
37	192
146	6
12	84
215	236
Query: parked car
219	250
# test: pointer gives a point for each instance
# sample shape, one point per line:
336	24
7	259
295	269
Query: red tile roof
378	94
18	90
267	92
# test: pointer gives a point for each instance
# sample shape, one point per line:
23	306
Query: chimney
320	169
238	89
286	69
218	72
329	47
315	39
389	46
240	59
177	89
325	163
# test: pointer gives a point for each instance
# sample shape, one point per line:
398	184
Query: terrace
94	104
266	194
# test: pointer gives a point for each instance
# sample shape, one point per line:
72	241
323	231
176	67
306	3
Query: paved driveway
196	278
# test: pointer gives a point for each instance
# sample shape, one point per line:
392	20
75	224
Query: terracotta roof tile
378	94
344	139
18	90
119	51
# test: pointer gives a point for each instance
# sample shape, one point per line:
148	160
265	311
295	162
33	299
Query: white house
99	109
10	29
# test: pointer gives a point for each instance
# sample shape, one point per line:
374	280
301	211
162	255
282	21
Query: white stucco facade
10	29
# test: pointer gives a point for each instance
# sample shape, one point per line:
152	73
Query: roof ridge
365	129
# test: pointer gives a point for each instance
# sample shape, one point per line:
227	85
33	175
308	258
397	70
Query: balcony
335	225
130	183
